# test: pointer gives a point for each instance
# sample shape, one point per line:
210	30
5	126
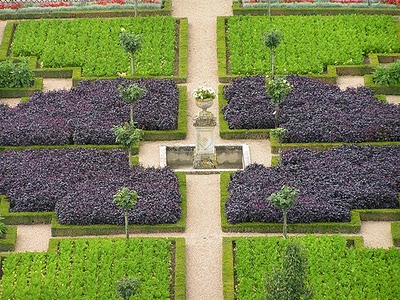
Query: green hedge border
57	229
228	275
332	71
281	11
22	92
75	72
10	239
166	10
395	228
353	226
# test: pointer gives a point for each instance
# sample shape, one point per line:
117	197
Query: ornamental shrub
15	74
387	75
127	287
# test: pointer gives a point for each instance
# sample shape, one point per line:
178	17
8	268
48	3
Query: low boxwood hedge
395	227
8	242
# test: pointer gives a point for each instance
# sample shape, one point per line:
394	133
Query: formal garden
71	158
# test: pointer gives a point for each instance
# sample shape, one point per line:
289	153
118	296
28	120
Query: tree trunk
280	151
269	10
136	8
272	62
131	114
130	157
276	114
126	224
133	64
284	224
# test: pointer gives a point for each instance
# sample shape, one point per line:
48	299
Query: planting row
310	42
331	184
86	114
93	44
334	271
89	269
313	111
79	186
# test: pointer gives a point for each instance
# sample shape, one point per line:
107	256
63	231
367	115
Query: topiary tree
272	39
126	199
127	136
132	43
290	282
284	199
131	94
277	88
279	134
127	287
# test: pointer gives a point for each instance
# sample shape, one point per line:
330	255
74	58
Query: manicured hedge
81	192
335	271
86	114
331	184
89	268
313	111
8	242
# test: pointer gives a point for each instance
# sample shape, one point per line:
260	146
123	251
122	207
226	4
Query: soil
203	233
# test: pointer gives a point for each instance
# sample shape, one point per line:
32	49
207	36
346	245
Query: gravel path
203	233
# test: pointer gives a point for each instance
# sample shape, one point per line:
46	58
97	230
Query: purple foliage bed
331	183
79	186
86	114
313	111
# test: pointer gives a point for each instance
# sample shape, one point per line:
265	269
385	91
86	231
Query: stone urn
204	104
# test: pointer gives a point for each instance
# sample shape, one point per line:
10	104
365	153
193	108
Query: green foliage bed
335	271
93	44
88	269
310	42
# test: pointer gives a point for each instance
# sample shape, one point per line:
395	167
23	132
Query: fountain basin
230	157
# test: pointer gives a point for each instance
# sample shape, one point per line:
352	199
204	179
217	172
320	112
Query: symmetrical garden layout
77	184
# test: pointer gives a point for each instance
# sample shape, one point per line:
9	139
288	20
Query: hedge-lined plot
79	186
93	44
331	184
87	113
88	269
313	111
310	42
336	272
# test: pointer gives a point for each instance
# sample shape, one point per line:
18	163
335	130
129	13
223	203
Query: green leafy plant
126	199
131	94
15	74
127	136
284	199
131	42
272	39
279	134
127	287
290	282
387	75
203	92
277	88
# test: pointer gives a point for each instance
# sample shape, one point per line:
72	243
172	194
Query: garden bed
312	112
77	268
163	53
83	175
239	53
335	270
358	183
88	11
87	113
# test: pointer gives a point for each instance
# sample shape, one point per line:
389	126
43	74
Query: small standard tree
284	199
272	39
131	43
290	282
128	136
130	95
277	88
279	134
127	287
126	199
